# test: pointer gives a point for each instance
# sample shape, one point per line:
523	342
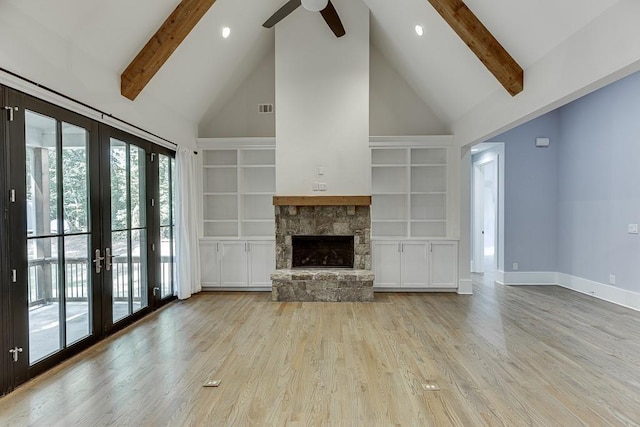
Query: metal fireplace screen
322	251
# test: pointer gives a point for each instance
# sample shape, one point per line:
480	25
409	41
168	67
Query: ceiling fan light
314	5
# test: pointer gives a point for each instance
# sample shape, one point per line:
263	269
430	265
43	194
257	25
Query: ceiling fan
325	8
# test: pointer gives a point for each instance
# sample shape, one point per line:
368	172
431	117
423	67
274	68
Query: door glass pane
139	267
75	179
137	174
164	184
77	280
43	257
173	228
77	248
167	251
119	186
42	174
128	226
120	274
167	260
44	307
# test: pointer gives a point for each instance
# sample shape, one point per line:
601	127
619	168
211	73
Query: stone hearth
320	284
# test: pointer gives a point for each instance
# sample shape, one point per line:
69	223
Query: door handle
107	259
98	261
14	353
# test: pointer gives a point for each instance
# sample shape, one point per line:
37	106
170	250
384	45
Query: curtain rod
68	98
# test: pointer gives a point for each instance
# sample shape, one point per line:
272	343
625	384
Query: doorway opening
485	208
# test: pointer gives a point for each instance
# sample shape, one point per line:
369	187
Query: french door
84	249
124	258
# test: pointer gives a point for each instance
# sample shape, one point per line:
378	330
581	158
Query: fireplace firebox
322	251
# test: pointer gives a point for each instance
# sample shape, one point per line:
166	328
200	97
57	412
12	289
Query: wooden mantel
322	200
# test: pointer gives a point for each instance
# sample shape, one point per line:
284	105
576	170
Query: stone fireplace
323	249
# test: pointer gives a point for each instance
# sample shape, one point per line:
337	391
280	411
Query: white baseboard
499	277
465	287
413	290
528	278
213	288
601	291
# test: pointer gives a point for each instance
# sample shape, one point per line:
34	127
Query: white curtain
187	249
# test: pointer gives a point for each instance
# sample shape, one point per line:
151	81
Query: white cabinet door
386	264
233	265
262	262
415	264
444	264
209	263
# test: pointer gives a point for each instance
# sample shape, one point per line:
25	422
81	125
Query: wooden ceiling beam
160	47
469	28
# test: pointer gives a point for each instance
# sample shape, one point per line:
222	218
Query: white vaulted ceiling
205	69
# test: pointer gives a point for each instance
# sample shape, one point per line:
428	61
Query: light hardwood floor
504	356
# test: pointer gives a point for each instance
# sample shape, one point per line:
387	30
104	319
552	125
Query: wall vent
265	108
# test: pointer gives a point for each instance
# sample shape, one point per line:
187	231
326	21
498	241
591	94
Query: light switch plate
542	142
633	228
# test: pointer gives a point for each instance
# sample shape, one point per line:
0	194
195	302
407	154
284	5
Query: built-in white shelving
410	190
238	189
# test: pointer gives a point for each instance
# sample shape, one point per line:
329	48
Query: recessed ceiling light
419	30
226	31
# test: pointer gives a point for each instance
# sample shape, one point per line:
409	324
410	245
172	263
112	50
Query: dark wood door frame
14	316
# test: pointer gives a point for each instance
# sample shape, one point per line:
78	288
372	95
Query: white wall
395	108
322	97
39	54
239	117
464	247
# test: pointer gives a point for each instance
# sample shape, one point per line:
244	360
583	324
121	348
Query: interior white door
478	219
490	206
485	212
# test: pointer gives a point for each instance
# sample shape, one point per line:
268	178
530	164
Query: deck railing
44	278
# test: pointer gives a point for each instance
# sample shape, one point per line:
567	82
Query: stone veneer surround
319	284
323	221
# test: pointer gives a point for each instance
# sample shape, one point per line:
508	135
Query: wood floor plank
504	356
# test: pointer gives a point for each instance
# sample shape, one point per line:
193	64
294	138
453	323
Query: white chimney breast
322	98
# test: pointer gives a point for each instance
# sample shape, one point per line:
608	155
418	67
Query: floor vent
431	387
265	108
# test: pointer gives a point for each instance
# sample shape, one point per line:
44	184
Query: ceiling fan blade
282	13
333	20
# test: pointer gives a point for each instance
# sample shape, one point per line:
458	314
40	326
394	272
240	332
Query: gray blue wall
567	207
599	192
531	195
